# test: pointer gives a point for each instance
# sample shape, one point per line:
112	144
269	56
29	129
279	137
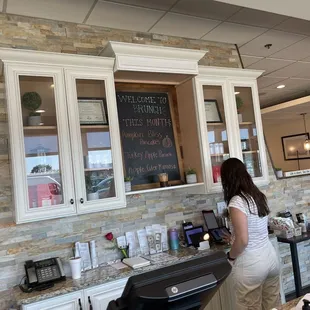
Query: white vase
34	120
240	118
191	178
127	186
279	174
93	196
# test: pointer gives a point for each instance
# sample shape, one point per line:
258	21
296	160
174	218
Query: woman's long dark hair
236	181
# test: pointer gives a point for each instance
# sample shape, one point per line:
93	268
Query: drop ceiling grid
206	19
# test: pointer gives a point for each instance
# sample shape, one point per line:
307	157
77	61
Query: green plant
278	169
32	101
128	179
90	185
239	103
190	171
41	168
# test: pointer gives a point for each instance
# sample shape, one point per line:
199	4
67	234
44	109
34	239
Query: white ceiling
286	62
299	8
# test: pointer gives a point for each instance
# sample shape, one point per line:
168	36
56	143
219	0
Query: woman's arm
240	224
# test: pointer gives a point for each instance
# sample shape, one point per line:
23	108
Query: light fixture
40	111
52	85
237	92
206	237
281	86
307	141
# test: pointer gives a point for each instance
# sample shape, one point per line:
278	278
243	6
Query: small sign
213	114
297	172
92	111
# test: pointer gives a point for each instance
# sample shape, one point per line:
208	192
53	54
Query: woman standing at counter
255	264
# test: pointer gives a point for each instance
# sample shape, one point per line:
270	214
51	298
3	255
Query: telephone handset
42	274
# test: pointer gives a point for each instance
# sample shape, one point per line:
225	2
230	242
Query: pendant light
307	141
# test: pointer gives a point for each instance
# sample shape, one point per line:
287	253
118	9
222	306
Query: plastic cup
75	265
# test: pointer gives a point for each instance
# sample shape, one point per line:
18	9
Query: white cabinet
72	301
230	122
64	134
100	296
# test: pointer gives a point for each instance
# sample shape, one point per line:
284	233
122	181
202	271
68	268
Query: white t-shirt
257	226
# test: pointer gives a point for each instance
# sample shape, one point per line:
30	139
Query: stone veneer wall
56	237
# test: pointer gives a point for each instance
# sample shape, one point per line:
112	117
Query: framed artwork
92	111
212	111
293	147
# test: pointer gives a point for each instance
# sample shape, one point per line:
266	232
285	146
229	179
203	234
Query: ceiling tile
70	10
233	33
158	4
296	84
174	24
249	60
270	64
1	5
295	25
205	8
278	39
266	81
293	70
120	16
257	18
307	59
297	51
270	97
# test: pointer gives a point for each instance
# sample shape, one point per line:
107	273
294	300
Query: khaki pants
256	277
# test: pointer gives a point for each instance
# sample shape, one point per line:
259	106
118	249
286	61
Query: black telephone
42	274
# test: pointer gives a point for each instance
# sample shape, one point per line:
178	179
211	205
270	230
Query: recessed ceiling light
281	86
52	85
237	92
40	111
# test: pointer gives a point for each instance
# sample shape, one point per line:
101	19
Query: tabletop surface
303	237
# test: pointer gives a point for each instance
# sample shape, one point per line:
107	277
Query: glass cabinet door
95	149
40	148
216	129
249	140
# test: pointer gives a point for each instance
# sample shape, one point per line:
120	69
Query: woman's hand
226	237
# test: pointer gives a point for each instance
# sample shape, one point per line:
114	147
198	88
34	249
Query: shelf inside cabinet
250	152
40	127
223	124
95	127
96	169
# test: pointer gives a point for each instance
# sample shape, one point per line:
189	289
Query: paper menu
132	244
164	238
82	250
157	234
144	246
150	239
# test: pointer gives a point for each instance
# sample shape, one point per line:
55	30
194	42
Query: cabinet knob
90	305
82	201
72	201
80	304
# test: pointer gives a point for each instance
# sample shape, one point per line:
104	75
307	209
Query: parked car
103	187
43	190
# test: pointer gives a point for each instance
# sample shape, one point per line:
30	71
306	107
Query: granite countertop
290	305
105	274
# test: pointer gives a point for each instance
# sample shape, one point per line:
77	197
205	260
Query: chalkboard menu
147	137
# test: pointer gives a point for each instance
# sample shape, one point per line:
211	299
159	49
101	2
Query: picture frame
293	147
92	111
212	111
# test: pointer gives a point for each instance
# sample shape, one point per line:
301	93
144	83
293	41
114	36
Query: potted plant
239	104
127	181
91	189
32	101
191	176
279	173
